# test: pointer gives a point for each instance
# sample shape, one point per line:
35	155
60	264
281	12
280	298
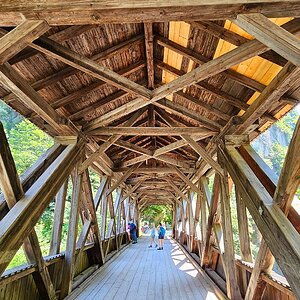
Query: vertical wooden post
203	221
59	210
233	291
68	269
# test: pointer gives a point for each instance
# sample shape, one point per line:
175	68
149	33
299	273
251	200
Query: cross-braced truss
155	98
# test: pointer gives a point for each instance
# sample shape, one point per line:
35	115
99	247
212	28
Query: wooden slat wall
25	288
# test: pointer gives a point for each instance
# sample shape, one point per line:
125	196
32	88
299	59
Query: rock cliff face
264	142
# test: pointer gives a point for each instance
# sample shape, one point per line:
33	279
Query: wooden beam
148	28
205	106
283	196
94	228
108	143
243	228
212	204
59	210
233	291
122	179
272	93
13	192
30	98
289	179
234	38
17	39
202	152
176	189
272	35
84	64
279	234
148	131
9	179
69	71
89	12
100	192
186	180
184	112
200	59
159	170
69	260
29	209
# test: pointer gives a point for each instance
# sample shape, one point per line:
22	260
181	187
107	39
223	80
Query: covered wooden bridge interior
158	98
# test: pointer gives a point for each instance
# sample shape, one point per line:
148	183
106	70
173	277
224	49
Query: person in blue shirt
161	236
132	228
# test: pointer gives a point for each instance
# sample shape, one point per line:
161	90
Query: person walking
161	236
132	228
152	236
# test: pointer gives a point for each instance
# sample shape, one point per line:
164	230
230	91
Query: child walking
152	236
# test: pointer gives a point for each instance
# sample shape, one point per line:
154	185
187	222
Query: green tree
157	213
27	143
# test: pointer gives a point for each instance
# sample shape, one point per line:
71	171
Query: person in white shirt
152	236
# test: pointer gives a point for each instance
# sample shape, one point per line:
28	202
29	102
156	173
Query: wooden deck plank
140	272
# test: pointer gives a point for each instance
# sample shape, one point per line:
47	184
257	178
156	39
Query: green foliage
157	213
27	143
8	117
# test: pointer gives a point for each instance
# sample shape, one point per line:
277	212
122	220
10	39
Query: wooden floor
140	272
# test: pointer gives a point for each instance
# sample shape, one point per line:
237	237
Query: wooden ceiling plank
18	39
69	71
235	39
205	106
200	59
272	35
60	36
86	65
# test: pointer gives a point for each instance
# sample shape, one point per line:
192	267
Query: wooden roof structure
151	92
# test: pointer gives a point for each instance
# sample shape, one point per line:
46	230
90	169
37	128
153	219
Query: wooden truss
111	109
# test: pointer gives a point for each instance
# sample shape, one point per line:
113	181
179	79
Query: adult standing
132	228
161	237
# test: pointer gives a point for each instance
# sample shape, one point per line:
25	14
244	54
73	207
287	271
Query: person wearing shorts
152	236
161	237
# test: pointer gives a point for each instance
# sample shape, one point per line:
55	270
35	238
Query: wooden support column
233	291
203	218
212	206
58	219
94	228
69	261
100	192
